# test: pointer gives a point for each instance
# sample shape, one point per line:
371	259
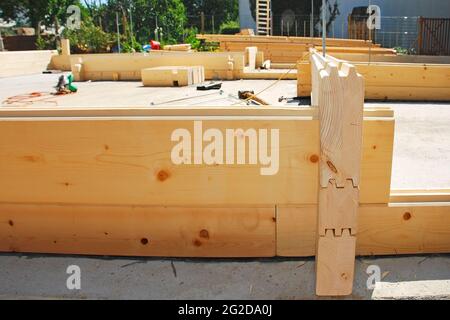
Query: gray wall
399	24
245	16
393	8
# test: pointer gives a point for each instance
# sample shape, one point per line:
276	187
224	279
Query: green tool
70	86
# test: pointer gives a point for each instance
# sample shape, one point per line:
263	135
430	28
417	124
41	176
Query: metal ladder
263	17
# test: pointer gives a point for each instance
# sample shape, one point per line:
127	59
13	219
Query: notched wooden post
340	98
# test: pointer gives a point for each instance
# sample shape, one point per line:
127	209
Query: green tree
36	12
170	15
222	10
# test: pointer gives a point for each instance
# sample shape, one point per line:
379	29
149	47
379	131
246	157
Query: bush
128	46
230	27
191	38
89	39
46	43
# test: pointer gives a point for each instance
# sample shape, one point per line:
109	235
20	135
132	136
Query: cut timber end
335	262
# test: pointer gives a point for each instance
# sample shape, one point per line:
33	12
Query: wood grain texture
407	228
138	230
338	91
126	67
341	105
392	81
405	196
283	40
335	264
338	209
117	160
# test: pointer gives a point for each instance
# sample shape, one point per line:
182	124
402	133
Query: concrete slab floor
421	157
36	276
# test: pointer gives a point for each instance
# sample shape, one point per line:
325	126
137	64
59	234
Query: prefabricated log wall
100	181
128	66
112	150
227	66
69	170
393	80
361	58
290	49
291	52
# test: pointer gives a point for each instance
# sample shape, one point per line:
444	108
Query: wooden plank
406	228
335	264
172	76
385	93
341	105
282	39
123	160
355	57
360	50
138	230
178	47
339	93
372	113
387	81
404	196
405	75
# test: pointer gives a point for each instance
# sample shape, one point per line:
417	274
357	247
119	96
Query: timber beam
340	100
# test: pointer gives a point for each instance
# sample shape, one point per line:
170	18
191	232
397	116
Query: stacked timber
290	49
178	47
180	76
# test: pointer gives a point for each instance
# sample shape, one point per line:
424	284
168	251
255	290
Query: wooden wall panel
138	230
125	161
414	228
393	81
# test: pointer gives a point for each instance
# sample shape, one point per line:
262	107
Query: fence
434	36
20	43
410	34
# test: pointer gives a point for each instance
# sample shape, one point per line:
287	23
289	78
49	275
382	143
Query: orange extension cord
31	98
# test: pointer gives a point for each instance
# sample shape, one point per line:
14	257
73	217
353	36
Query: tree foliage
36	11
139	20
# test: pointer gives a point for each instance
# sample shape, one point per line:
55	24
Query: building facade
399	22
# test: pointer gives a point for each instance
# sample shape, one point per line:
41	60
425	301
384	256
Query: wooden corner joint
338	208
336	243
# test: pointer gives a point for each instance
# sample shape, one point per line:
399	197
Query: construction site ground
421	161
